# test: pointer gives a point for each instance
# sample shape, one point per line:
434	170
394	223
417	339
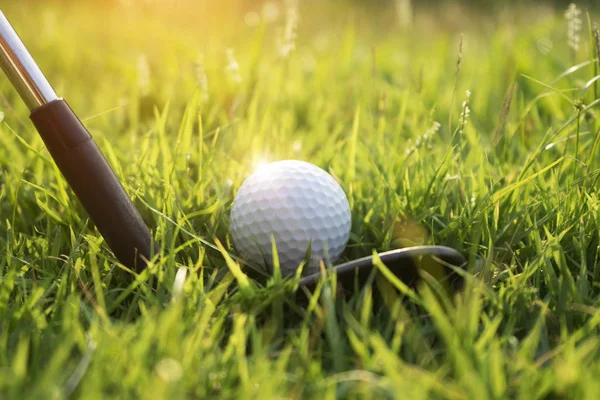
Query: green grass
514	187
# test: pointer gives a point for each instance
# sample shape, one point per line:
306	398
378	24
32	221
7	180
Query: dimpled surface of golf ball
300	205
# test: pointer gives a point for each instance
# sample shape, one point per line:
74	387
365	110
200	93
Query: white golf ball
298	203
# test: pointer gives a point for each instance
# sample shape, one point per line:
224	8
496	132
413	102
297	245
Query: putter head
403	263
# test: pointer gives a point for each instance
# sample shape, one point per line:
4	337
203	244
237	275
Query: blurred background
136	55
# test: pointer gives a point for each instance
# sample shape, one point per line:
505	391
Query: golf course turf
475	128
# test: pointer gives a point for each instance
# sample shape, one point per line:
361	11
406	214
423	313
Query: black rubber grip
94	182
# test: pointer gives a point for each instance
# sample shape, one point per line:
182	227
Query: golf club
404	263
98	189
76	154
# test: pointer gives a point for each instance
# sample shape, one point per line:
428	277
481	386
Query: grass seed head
143	75
288	41
466	111
233	68
574	24
201	78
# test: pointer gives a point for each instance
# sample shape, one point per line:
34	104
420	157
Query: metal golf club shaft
21	69
76	155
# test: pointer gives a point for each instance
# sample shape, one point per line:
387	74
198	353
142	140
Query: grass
511	183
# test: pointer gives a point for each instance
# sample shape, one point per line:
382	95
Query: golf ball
298	203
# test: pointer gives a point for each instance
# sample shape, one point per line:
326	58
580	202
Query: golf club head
404	263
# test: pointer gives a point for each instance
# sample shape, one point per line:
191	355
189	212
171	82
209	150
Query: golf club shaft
76	155
21	69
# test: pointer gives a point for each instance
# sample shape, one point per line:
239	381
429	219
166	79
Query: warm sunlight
299	199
